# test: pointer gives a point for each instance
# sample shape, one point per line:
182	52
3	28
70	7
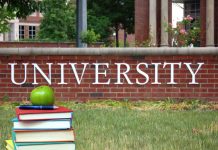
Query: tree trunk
117	37
125	38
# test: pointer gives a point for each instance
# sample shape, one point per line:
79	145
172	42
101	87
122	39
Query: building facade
152	15
150	19
21	29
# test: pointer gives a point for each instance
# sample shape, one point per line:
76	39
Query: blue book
57	124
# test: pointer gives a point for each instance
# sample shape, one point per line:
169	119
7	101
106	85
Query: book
10	145
58	124
59	113
8	148
46	146
43	136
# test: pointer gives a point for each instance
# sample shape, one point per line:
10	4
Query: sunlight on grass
115	125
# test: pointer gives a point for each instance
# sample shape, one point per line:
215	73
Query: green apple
42	95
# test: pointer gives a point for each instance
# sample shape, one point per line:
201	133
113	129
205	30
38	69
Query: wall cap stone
132	51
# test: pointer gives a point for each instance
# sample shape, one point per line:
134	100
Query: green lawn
123	126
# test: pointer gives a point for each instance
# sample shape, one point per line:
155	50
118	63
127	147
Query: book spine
71	120
13	139
18	116
46	129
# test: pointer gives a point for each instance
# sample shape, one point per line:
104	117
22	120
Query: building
150	16
22	28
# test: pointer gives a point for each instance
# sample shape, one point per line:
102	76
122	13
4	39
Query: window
192	8
32	32
21	32
182	8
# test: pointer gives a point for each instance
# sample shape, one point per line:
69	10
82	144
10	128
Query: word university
101	72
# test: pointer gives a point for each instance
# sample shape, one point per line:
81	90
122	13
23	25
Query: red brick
207	75
83	95
123	95
213	90
116	89
186	90
89	90
132	90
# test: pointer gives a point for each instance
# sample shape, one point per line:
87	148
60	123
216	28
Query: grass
112	125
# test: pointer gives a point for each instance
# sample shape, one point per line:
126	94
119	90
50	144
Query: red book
59	113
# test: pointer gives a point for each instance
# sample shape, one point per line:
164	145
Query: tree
128	22
21	8
89	37
9	9
58	23
119	13
71	26
100	25
5	15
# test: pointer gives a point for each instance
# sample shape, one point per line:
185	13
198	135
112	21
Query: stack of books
42	130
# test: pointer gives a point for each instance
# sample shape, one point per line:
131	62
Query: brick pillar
210	23
203	22
141	20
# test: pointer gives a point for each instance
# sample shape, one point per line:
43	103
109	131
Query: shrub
89	37
187	32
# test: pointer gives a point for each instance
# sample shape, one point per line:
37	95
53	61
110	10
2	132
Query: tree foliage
118	13
89	37
100	25
9	9
21	8
5	15
58	23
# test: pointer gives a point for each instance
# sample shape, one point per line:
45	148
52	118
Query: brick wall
206	90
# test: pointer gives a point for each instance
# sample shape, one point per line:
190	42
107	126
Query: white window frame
21	32
32	32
